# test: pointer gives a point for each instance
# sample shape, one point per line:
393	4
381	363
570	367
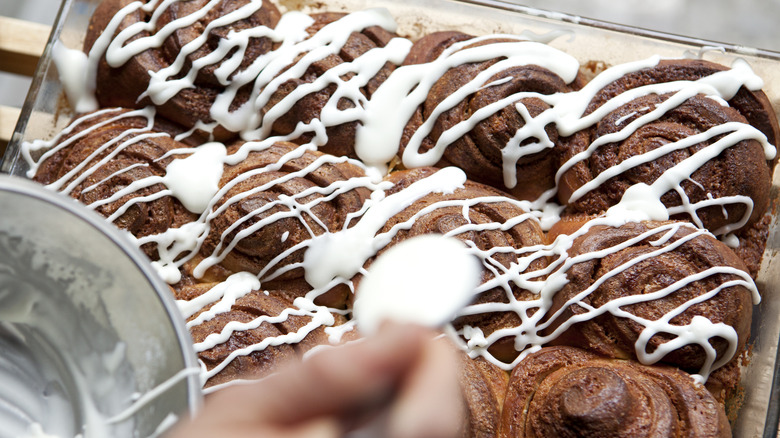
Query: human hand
402	373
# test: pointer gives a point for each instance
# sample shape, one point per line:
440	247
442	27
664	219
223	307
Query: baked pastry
751	244
224	69
657	291
721	181
114	161
287	107
489	221
566	392
180	48
491	148
272	201
751	102
249	336
484	390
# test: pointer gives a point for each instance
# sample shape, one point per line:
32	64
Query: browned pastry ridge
752	243
740	170
258	362
341	138
753	105
484	388
256	186
567	392
136	150
479	152
443	219
611	335
122	86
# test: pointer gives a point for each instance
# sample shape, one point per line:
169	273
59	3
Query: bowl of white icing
92	344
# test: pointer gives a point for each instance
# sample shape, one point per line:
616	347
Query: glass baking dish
592	42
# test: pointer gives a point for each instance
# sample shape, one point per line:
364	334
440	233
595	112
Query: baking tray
45	113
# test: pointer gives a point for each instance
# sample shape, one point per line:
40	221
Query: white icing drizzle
289	60
194	180
221	297
335	257
320	316
393	104
71	65
528	336
343	254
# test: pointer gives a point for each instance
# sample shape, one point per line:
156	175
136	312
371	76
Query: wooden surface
8	118
21	46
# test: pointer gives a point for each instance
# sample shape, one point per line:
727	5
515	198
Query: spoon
424	280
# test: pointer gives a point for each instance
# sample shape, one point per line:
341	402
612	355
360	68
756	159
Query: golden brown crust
443	219
431	45
484	389
622	272
265	221
752	243
566	392
739	170
479	152
568	225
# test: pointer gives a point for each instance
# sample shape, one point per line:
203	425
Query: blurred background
752	23
13	88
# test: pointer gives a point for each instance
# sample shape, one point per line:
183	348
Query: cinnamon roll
751	244
179	57
240	67
460	112
656	291
326	94
484	388
114	161
721	177
272	201
566	392
249	336
752	104
495	225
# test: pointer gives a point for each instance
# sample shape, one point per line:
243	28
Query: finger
324	427
317	428
335	382
430	403
344	380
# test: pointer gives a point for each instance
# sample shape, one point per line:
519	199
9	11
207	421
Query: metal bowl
92	342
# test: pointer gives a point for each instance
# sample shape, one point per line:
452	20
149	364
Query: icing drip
393	104
71	65
343	254
194	180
